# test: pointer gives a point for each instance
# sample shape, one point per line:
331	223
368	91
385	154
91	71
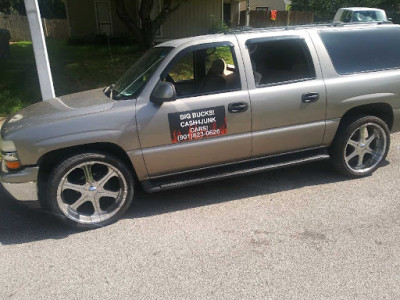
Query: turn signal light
13	165
12	161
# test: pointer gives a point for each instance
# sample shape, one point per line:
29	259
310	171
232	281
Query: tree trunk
140	24
149	34
131	23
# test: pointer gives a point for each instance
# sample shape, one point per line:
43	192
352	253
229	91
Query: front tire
360	146
90	190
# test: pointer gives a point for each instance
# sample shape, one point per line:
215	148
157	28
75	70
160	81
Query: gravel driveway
304	232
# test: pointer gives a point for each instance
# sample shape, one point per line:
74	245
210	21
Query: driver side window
184	69
204	71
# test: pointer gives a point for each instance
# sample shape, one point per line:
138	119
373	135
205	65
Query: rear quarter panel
345	92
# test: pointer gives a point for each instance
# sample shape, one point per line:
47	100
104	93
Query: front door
209	123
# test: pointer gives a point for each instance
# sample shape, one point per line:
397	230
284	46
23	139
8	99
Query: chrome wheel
92	192
365	148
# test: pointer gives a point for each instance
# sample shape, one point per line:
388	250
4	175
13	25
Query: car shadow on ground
23	224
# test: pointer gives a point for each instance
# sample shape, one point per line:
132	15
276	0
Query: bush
217	26
4	43
9	103
395	16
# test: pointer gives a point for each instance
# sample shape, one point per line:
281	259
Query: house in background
195	17
266	5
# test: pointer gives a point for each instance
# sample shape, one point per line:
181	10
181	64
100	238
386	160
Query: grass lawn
74	69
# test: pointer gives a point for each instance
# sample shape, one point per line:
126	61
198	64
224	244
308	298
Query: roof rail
244	29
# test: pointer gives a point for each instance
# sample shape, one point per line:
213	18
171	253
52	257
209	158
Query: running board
232	170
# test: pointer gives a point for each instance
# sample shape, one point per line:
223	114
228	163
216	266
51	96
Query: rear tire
360	146
90	190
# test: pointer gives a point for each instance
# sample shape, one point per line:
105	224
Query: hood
69	106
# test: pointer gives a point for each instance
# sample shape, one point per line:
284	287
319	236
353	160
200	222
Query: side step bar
232	170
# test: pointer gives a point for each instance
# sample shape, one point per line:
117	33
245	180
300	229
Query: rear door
287	92
209	123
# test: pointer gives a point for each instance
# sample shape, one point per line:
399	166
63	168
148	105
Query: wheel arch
383	111
50	159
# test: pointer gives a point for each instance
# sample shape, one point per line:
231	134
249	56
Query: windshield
369	16
132	82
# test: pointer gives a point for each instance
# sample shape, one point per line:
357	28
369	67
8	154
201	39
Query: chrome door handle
238	107
310	97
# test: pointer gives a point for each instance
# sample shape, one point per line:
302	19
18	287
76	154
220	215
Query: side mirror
163	92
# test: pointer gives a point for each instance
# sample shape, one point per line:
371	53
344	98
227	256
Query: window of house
361	50
103	17
262	8
280	61
204	71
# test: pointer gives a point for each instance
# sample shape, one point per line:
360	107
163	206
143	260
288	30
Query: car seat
215	78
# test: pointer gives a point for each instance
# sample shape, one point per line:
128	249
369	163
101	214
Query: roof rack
244	29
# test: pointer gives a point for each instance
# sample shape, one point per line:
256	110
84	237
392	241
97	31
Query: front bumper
22	185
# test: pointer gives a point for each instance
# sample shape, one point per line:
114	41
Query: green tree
49	9
141	22
12	7
52	9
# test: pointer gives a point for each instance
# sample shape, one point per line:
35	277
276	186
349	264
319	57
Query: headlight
7	146
11	160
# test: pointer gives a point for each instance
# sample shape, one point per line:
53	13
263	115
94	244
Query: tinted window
363	50
346	16
279	61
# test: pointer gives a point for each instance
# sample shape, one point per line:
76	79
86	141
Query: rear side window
357	51
280	61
